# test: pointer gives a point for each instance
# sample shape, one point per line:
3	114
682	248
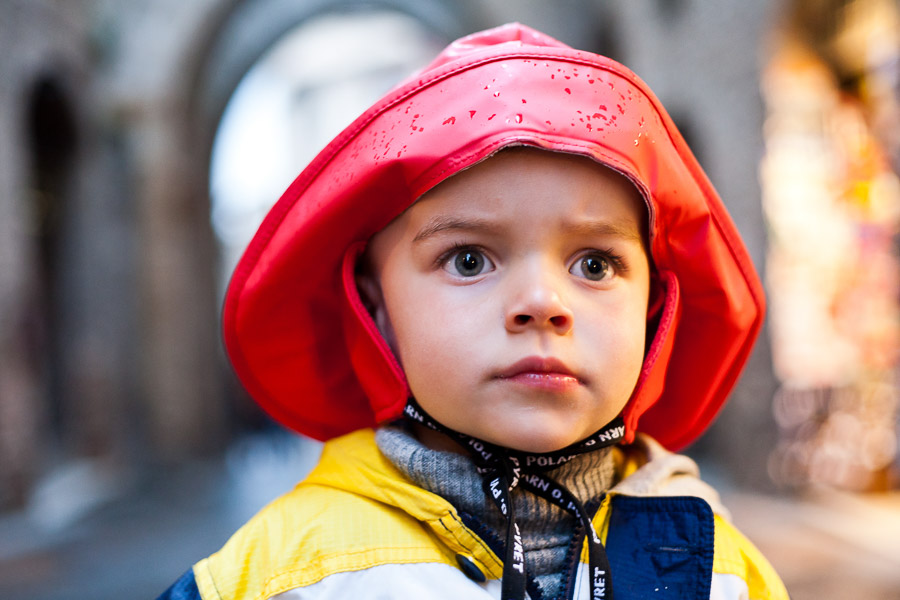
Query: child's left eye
596	266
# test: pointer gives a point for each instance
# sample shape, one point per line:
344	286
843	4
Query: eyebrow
439	224
623	230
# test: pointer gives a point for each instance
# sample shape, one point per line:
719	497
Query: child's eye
596	266
467	262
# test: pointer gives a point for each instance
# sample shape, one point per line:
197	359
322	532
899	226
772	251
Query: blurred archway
307	87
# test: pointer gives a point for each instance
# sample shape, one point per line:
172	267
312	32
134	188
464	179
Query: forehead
529	181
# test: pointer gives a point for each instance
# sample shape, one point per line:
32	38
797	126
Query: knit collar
547	530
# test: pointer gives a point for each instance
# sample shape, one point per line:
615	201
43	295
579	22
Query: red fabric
295	330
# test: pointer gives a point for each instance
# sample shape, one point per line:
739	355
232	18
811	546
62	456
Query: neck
435	440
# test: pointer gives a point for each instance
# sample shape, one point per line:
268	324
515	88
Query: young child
490	294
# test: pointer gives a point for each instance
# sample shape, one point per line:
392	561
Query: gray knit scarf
547	530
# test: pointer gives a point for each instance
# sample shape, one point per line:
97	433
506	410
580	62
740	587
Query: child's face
515	296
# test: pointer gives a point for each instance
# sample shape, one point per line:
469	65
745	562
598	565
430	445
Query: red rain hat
308	352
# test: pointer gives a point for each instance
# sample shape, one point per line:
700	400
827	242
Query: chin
537	443
531	431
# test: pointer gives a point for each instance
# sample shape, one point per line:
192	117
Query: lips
542	371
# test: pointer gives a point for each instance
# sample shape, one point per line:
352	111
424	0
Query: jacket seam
459	541
212	580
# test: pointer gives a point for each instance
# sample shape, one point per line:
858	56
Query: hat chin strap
503	469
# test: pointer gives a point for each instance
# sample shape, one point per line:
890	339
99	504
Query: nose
535	303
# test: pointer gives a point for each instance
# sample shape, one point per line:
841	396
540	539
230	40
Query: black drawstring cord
503	469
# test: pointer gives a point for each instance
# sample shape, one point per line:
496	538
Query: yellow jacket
357	528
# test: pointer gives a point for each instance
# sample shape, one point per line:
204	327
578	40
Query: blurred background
142	141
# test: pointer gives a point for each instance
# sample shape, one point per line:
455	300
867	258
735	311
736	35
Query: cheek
434	329
433	353
633	331
636	344
618	329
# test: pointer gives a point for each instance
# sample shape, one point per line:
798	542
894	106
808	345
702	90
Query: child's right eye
468	262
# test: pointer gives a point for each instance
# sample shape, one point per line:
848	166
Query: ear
369	288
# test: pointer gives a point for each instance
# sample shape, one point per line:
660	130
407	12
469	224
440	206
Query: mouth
546	373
